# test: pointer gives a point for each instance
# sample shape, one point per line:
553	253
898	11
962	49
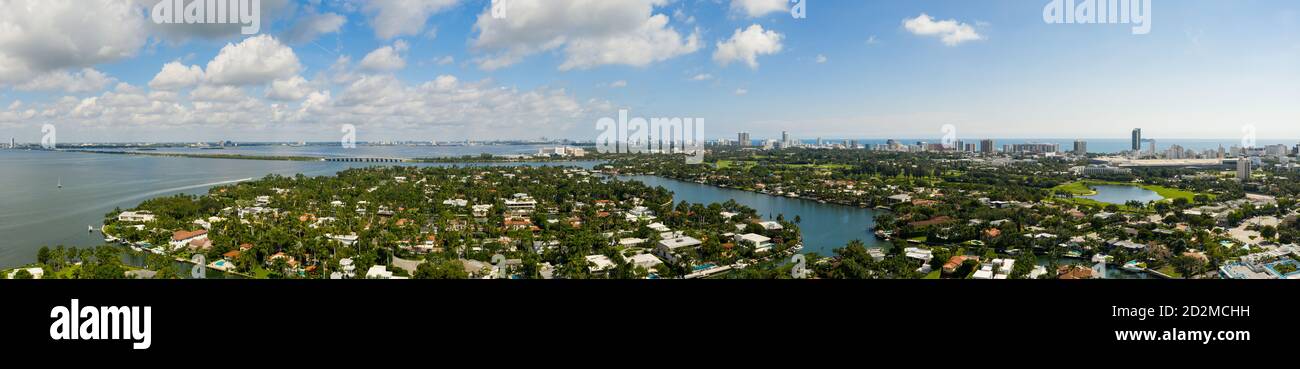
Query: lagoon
825	227
1122	194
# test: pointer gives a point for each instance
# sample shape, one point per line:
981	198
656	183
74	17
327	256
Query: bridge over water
367	160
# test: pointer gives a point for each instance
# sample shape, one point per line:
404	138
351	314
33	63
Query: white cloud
951	31
393	18
758	8
590	33
746	45
742	92
311	26
87	80
386	59
292	89
821	59
702	77
444	60
618	84
256	60
40	36
175	76
212	93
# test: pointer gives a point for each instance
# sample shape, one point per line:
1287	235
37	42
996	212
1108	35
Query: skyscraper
1243	169
785	139
743	138
1080	147
1137	139
986	146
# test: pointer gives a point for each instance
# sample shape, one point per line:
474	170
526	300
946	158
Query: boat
60	184
90	229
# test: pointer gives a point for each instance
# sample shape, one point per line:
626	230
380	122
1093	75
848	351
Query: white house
143	216
481	211
37	273
599	263
646	261
919	254
759	242
668	248
381	272
182	238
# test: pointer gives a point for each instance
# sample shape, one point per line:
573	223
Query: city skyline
447	70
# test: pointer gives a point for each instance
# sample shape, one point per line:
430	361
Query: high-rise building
819	142
1033	148
785	139
1243	169
742	139
1137	139
12	143
853	144
986	146
1080	147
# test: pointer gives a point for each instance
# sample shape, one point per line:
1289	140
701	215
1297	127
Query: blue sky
850	69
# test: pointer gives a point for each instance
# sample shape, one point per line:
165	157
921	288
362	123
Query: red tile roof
185	235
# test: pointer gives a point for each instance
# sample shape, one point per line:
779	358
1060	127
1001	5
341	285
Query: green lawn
933	275
725	164
1170	271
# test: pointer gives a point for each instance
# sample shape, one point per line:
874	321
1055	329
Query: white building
37	273
599	264
1243	169
759	242
143	216
381	272
668	248
646	261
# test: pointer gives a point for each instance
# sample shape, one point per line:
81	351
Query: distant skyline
447	70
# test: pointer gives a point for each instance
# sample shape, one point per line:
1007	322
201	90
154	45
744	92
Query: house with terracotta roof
182	238
992	232
955	263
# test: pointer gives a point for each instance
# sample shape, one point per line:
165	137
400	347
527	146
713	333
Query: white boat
90	229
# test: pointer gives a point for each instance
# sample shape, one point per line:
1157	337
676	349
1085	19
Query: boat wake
174	190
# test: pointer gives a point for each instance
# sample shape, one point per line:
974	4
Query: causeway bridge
367	160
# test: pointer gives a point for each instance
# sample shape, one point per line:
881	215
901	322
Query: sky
449	70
